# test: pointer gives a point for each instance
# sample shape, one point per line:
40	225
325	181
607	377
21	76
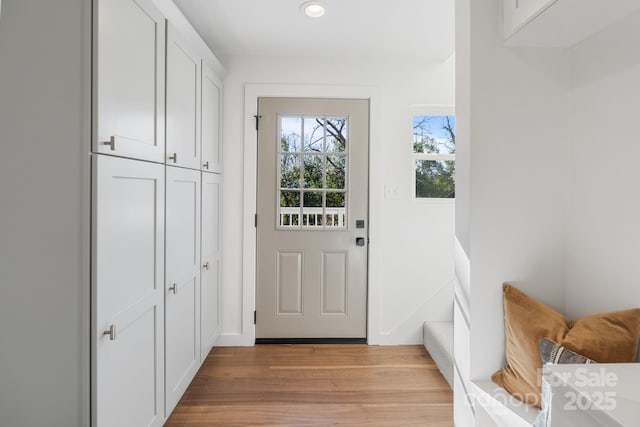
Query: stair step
438	340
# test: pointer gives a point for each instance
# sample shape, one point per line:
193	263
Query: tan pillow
604	338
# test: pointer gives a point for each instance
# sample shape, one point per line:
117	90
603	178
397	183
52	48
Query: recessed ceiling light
313	9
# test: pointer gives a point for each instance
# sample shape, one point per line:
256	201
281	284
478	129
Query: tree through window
434	148
313	172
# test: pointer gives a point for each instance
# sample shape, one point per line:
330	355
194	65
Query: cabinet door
183	103
129	73
210	284
211	132
182	300
128	292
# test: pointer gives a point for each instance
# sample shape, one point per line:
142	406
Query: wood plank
316	385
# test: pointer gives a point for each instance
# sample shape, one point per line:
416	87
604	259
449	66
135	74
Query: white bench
500	409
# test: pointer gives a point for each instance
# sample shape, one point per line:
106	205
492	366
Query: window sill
434	201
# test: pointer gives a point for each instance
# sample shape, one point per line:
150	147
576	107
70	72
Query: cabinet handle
174	157
206	165
206	265
111	143
111	332
173	288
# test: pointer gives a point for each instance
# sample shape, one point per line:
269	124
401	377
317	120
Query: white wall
417	271
552	142
44	135
553	178
604	175
517	130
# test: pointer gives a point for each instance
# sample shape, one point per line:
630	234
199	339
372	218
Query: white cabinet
183	102
156	278
210	121
211	256
560	23
129	70
128	288
182	291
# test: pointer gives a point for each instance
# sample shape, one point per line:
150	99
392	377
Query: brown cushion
604	338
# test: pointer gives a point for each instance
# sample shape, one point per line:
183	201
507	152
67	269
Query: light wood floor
316	385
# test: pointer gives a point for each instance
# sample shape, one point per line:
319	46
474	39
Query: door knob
206	265
206	165
174	157
111	332
360	241
173	288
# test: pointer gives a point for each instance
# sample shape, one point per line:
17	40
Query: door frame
249	252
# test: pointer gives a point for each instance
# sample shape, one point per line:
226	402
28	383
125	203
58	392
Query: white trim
429	110
427	156
86	363
433	109
252	93
175	16
434	200
232	340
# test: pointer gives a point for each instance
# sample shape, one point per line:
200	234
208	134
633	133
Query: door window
312	172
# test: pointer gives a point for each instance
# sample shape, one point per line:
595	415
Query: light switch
392	191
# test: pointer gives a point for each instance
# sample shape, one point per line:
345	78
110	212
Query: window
434	148
312	172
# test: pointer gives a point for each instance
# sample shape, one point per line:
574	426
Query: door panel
182	289
210	307
312	206
211	148
334	283
137	207
183	353
128	268
210	274
183	102
129	398
129	68
289	284
183	243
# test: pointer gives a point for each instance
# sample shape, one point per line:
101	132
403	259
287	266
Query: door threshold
311	340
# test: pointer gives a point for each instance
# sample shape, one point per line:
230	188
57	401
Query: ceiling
421	29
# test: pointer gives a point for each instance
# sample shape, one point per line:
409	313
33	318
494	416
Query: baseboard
233	340
311	341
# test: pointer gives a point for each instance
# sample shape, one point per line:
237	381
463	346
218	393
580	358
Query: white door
128	276
210	276
183	102
182	284
312	218
129	69
211	149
